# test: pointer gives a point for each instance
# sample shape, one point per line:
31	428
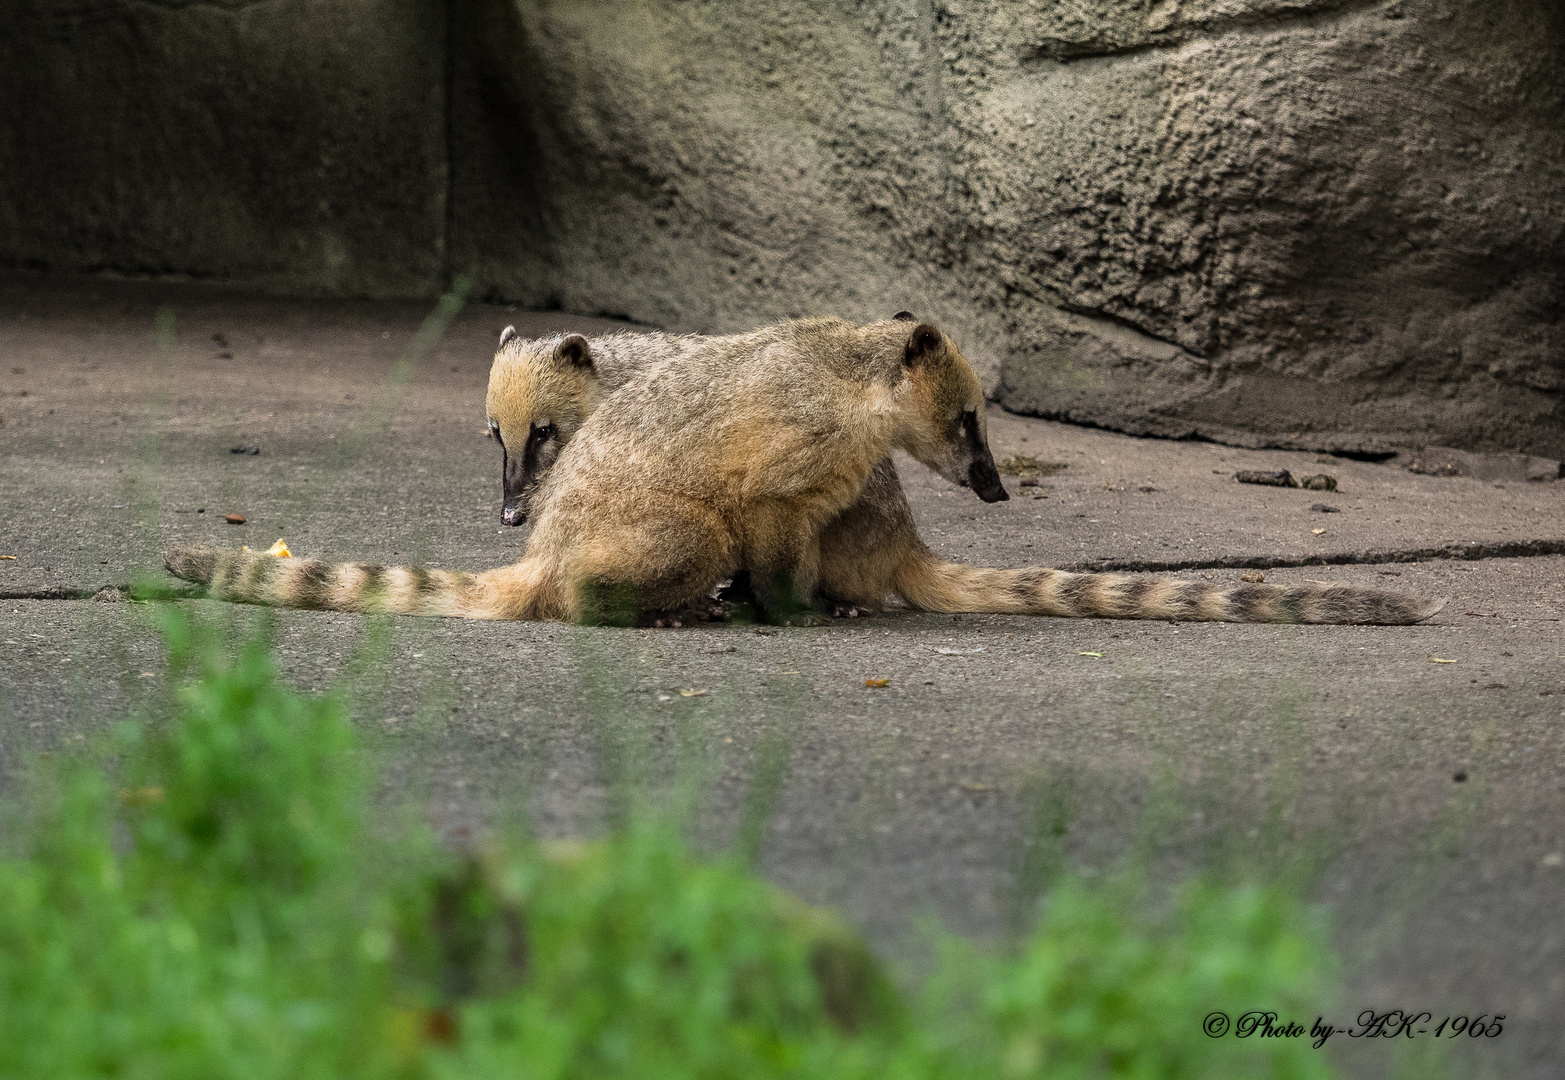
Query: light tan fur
764	453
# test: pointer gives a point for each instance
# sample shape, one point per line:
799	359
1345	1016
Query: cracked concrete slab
894	802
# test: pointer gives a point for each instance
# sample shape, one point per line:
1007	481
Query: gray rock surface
1311	224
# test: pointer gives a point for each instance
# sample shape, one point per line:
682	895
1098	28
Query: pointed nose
985	479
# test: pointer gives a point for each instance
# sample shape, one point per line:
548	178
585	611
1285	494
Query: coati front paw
782	603
703	612
709	610
842	609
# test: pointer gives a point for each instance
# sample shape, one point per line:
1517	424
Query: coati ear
507	334
925	342
903	316
574	350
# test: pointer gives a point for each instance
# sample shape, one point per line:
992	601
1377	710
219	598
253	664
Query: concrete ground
1430	794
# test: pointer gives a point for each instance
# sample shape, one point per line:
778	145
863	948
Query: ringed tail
257	578
951	587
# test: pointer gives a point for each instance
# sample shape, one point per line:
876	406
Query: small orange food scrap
280	549
877	683
235	519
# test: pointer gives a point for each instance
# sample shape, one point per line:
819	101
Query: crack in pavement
72	592
1472	551
1469	552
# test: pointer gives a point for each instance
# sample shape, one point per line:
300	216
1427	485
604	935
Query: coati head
540	392
943	425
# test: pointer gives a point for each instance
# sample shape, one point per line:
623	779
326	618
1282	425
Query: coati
754	453
541	391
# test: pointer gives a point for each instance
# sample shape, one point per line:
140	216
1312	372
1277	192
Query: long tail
255	578
940	586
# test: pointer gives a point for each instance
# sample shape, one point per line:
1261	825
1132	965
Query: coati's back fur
757	452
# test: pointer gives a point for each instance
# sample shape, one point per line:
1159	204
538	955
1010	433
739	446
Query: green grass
216	894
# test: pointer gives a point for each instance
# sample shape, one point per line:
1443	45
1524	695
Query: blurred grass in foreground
212	896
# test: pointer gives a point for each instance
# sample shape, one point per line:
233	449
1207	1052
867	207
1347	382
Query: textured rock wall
1334	224
705	165
1347	217
1337	225
293	144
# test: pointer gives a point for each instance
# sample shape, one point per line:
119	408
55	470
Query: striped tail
950	587
250	577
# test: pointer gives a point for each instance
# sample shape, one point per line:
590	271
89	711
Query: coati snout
985	480
982	476
535	404
951	440
521	472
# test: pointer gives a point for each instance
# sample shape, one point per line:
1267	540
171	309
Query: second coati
750	453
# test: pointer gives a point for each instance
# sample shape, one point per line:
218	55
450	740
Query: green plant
214	895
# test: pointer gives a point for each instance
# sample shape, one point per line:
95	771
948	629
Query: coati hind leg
656	569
